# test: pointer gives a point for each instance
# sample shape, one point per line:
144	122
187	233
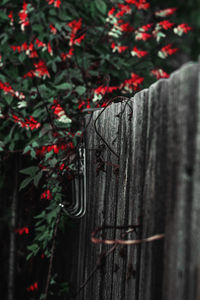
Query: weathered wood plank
158	185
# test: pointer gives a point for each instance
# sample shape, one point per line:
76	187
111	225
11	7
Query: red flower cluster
32	287
55	148
40	70
9	90
29	49
44	46
64	56
56	3
23	16
22	230
138	53
133	83
75	26
57	109
29	123
126	27
105	89
46	195
140	4
124	9
159	73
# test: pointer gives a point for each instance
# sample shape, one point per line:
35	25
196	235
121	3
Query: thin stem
12	249
52	256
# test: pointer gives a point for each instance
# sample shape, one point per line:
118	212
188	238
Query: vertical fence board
158	187
182	240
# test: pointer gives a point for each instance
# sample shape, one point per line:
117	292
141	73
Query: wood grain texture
157	185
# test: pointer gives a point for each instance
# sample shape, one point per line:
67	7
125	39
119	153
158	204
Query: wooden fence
153	181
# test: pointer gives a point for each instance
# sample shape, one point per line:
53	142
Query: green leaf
37	27
64	86
80	90
37	178
101	6
8	98
40	216
25	182
4	1
3	16
52	162
30	171
22	57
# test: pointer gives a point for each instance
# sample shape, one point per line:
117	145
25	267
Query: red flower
29	123
6	88
58	110
167	50
29	49
40	43
133	83
126	27
30	74
10	16
41	69
142	36
125	8
78	41
23	16
22	230
32	287
62	166
166	24
49	49
140	4
19	121
64	56
46	195
9	90
138	53
52	29
32	123
145	27
75	26
182	28
117	48
111	11
56	3
165	12
159	73
105	89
